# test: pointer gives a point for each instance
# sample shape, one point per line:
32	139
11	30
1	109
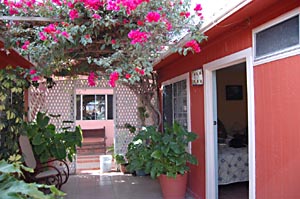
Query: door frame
210	136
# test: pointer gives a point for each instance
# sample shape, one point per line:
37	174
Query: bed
232	164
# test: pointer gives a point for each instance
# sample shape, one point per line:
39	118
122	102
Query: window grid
175	103
103	98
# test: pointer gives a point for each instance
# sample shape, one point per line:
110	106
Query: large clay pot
173	188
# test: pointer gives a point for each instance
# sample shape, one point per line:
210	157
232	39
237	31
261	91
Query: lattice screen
126	112
59	100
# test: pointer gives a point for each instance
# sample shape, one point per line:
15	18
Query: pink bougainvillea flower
73	14
185	14
198	7
96	16
57	2
70	5
25	45
92	4
168	24
138	37
43	37
153	17
142	72
35	78
13	11
51	28
30	3
113	41
32	71
114	76
87	36
127	76
65	34
194	45
112	5
140	23
92	79
129	5
125	21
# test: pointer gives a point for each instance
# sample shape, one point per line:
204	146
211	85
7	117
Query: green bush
48	143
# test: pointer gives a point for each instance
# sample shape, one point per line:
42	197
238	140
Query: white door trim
210	162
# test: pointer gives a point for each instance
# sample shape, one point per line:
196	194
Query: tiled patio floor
113	185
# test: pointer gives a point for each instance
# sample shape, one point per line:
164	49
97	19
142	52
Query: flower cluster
153	17
33	75
114	76
140	71
92	79
129	5
25	45
198	9
194	45
138	37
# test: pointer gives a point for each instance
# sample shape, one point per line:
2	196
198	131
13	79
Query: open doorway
232	132
211	116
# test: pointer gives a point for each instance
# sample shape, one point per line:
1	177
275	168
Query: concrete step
89	162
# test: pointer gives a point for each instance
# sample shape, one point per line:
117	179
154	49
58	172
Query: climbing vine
12	112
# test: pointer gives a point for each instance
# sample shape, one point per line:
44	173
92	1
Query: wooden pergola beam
35	19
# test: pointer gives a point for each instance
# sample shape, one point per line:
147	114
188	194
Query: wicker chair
53	172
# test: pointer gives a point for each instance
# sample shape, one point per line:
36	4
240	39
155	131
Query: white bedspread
233	165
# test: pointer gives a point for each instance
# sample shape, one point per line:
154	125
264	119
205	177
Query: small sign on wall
197	77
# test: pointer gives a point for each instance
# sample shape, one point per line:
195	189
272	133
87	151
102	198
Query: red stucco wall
277	104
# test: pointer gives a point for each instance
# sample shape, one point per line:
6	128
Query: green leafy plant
49	143
161	152
170	154
12	187
139	152
120	159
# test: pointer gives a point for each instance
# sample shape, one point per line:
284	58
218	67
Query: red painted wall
277	102
277	106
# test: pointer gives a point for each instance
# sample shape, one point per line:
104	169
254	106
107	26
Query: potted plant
49	143
120	160
165	157
138	155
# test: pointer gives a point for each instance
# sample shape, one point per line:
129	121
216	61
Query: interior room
233	171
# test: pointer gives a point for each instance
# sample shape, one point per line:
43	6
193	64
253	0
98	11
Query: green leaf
156	154
38	139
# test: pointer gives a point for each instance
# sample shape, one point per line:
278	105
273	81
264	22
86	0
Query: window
277	37
94	107
175	103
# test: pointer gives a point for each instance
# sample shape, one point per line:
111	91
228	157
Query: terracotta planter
173	188
123	168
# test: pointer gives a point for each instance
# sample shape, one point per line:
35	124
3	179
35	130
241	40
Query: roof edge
204	29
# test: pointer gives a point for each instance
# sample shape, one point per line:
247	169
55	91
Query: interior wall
232	113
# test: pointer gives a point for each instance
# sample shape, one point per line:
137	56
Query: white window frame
104	92
210	148
179	78
287	52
